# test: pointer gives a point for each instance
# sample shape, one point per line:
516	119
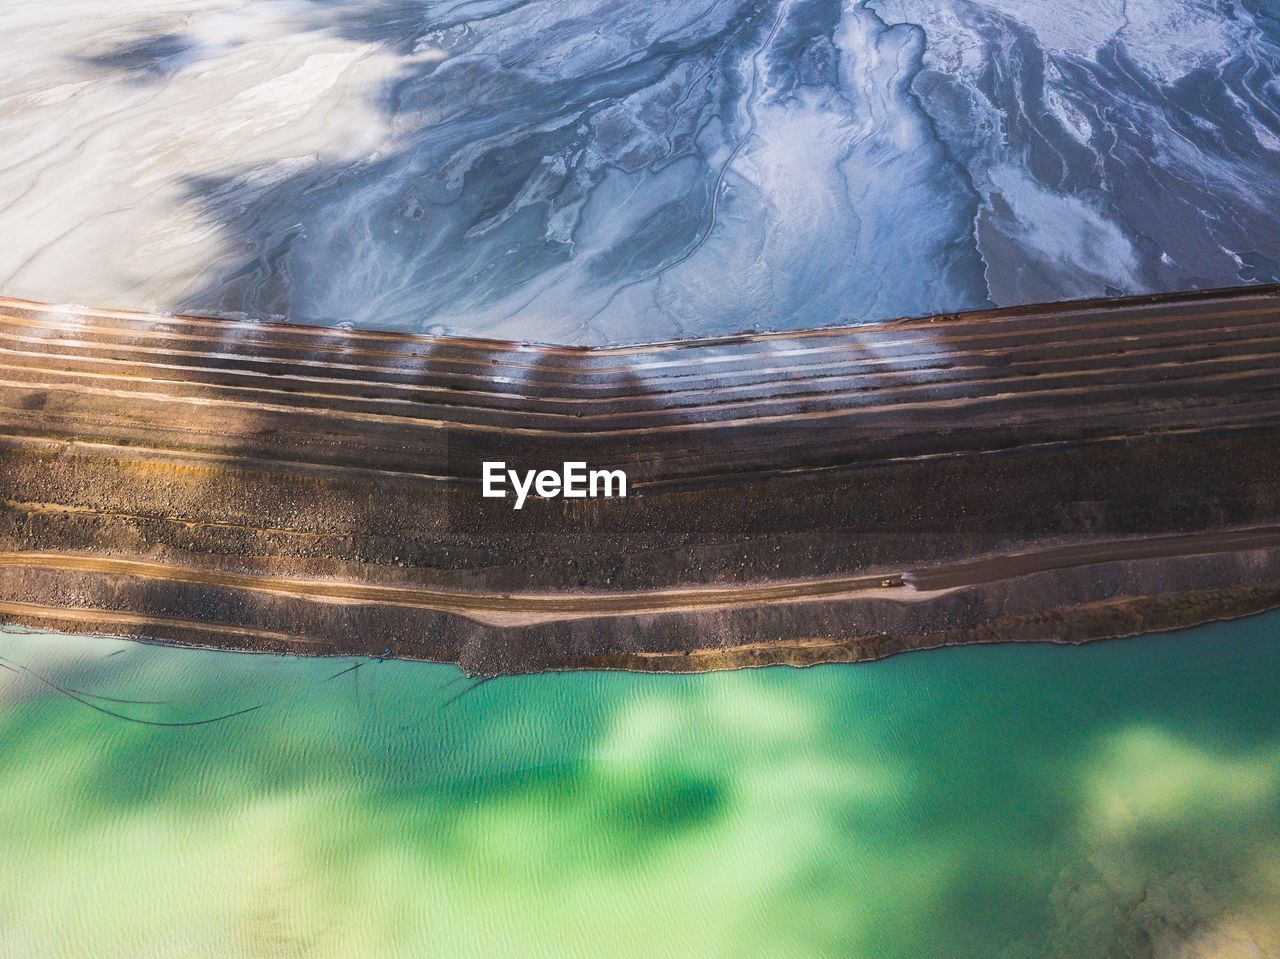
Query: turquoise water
1117	800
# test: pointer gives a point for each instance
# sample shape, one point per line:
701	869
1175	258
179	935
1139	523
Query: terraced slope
828	494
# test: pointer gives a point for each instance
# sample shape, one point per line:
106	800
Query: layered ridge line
787	490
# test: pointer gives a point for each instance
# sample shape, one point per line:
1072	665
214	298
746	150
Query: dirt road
277	487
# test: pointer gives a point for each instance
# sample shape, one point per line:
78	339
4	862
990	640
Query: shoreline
1075	617
793	653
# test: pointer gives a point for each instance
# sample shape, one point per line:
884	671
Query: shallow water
1116	800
